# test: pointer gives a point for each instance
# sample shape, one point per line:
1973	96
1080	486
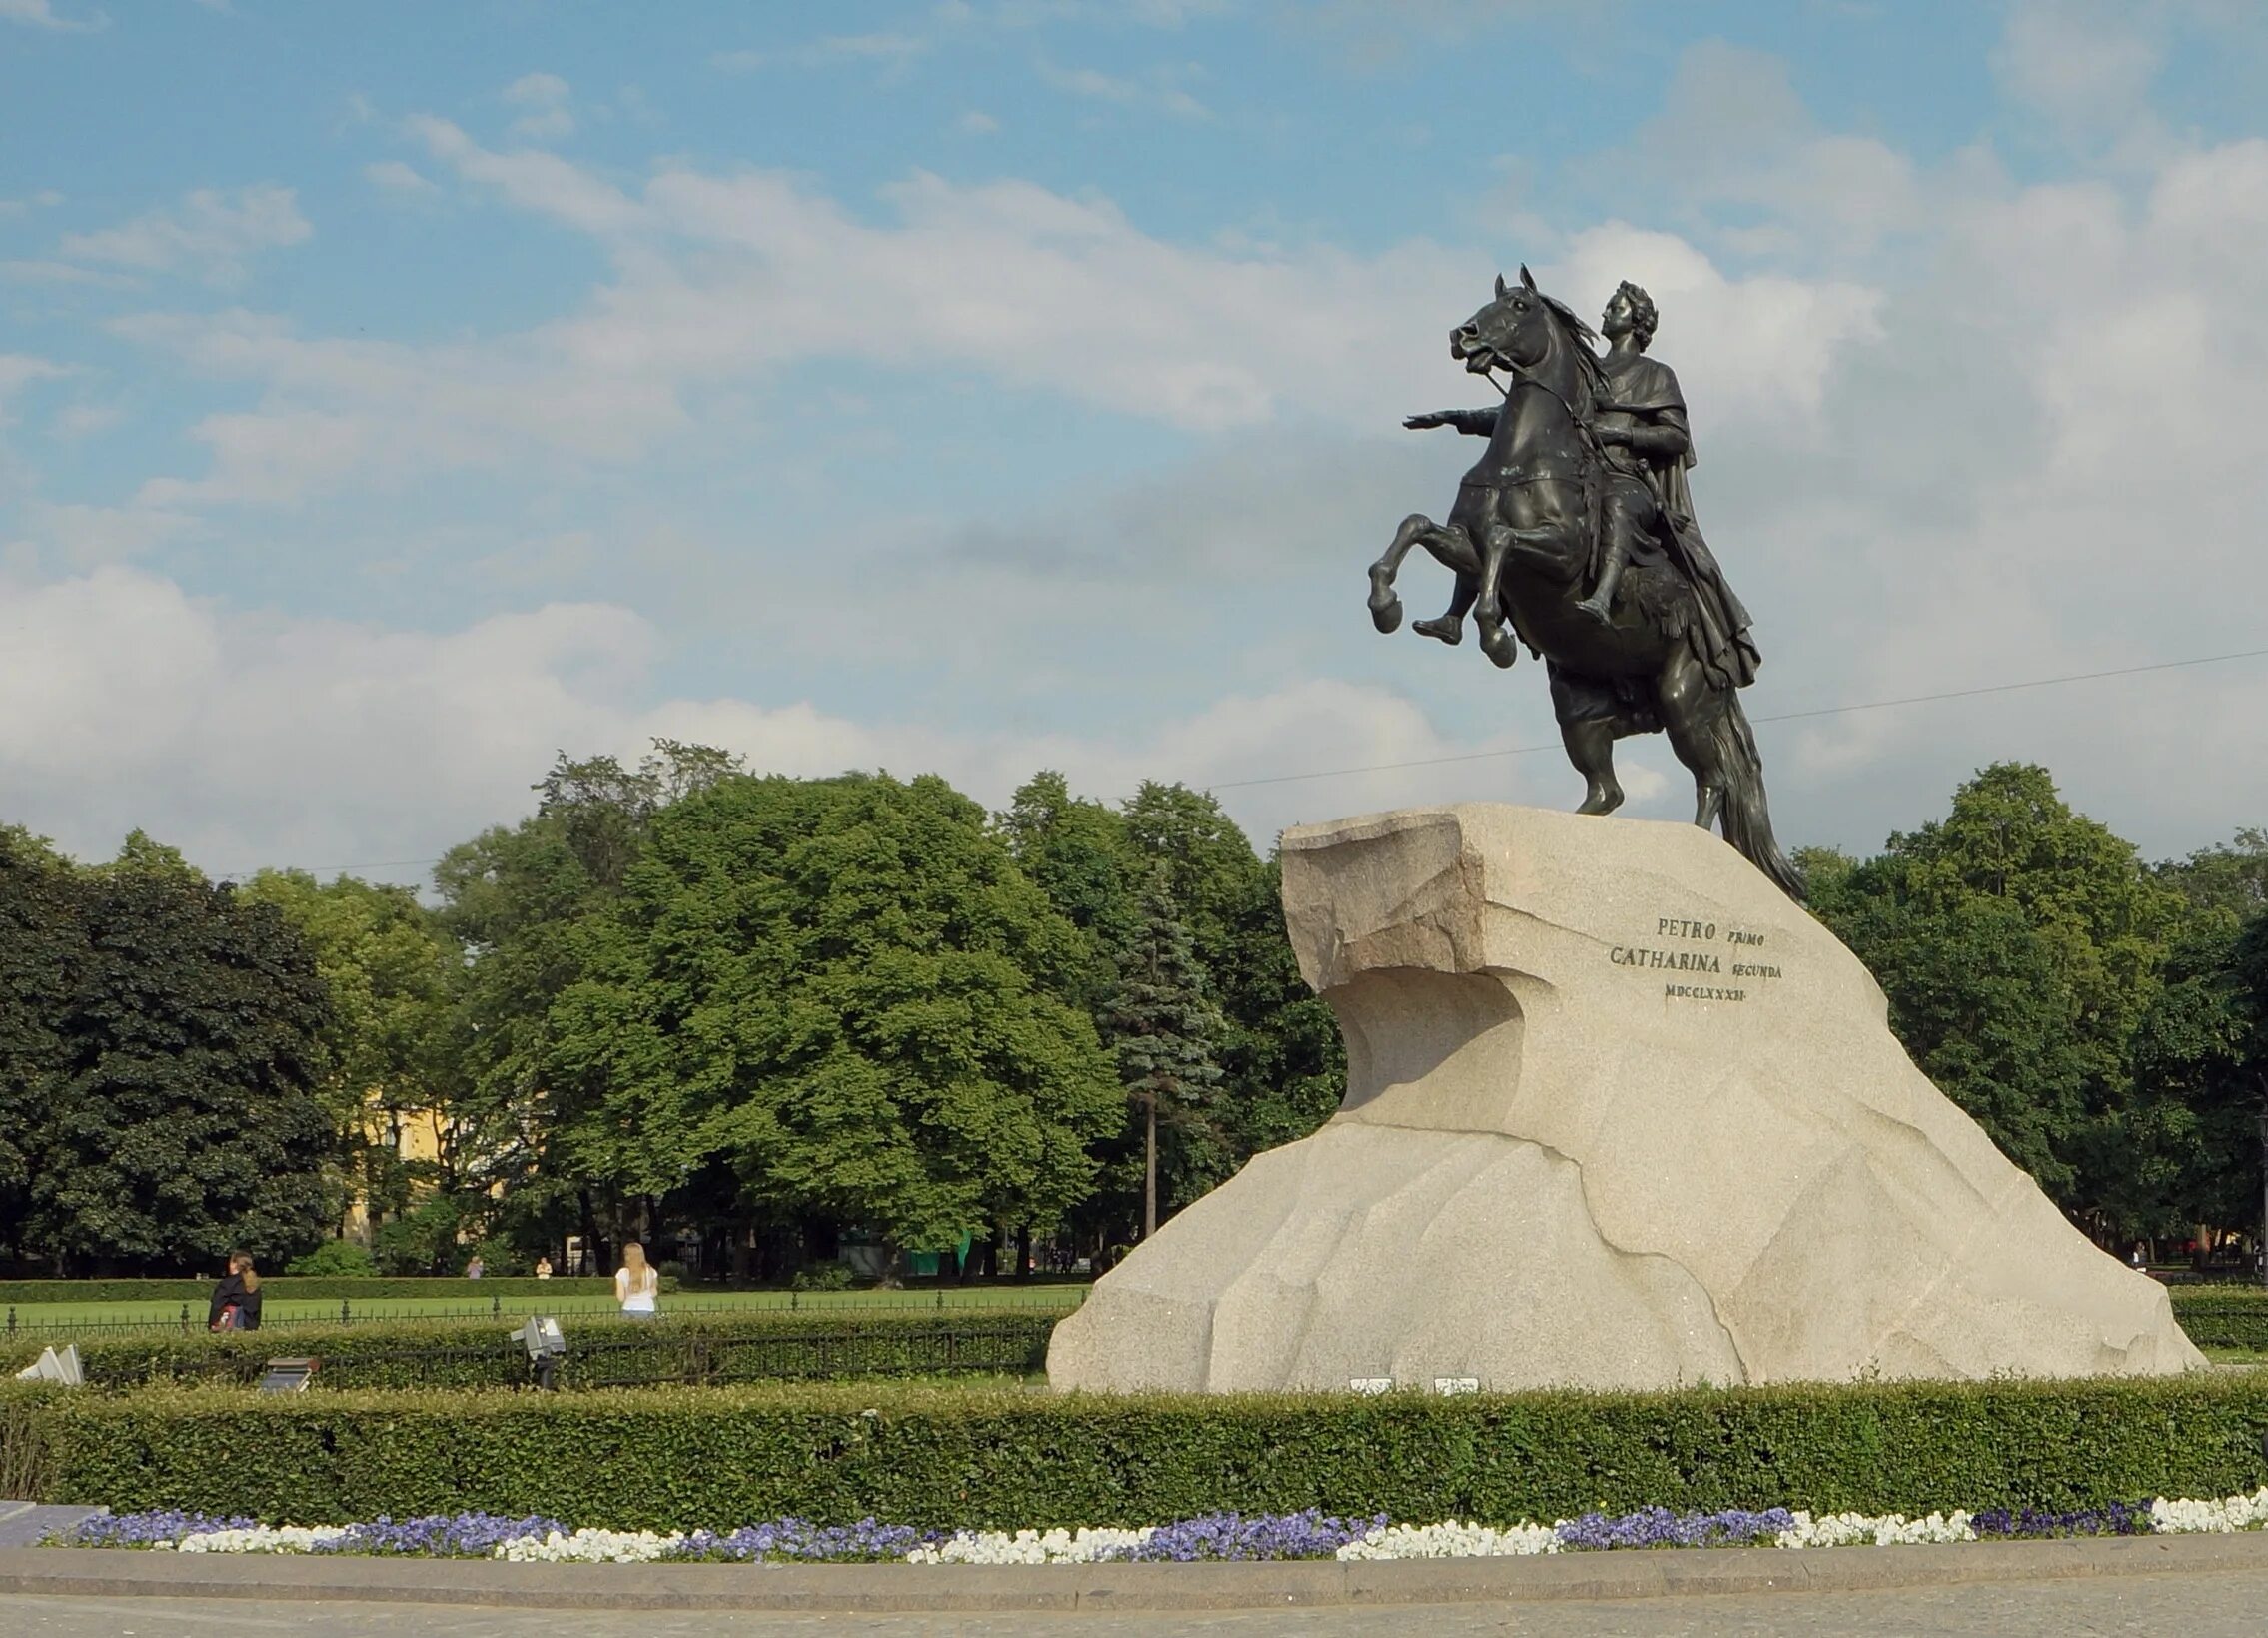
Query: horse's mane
1590	374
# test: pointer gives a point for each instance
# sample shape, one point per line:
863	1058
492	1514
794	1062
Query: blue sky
390	398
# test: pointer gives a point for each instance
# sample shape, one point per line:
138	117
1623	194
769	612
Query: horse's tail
1747	817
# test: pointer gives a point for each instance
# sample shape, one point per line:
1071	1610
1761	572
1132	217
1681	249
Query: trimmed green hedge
702	1349
944	1457
2222	1316
35	1293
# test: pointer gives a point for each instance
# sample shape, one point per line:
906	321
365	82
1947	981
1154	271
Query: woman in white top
636	1282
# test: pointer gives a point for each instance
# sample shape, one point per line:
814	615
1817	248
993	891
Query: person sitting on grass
235	1300
635	1283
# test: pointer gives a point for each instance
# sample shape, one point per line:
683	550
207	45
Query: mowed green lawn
68	1316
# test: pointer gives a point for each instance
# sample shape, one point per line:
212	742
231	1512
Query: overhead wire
1525	750
1776	716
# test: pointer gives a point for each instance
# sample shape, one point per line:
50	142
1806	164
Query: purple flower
867	1541
1261	1535
2118	1519
146	1530
1659	1527
441	1535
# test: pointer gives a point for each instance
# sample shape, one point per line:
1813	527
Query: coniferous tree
1166	1033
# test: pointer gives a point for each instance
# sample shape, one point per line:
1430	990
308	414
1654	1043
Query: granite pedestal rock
1618	1114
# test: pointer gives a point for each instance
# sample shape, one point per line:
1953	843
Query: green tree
395	980
186	1117
1282	1065
2020	944
1077	851
519	901
2229	876
848	992
40	941
2186	1150
1977	999
1166	1033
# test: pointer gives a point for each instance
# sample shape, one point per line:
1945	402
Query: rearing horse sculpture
1521	540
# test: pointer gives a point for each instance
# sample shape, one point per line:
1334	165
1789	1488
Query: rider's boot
1599	606
1450	627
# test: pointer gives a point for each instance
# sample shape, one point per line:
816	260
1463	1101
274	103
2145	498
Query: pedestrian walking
235	1300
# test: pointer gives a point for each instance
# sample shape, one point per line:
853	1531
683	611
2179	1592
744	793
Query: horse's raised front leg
1385	606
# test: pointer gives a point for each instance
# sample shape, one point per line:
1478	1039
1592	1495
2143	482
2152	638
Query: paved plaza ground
2218	1605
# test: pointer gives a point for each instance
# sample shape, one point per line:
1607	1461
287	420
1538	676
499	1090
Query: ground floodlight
546	1349
288	1377
541	1337
51	1366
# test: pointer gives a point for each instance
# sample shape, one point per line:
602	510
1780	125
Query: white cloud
213	232
1763	346
395	177
1995	451
83	537
1160	90
42	14
1733	132
62	273
2088	65
544	98
724	279
19	370
86	417
533	179
248	739
977	122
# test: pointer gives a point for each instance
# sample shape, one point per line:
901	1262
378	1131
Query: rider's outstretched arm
1476	423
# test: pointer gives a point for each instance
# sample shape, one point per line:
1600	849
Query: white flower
263	1538
1878	1530
2211	1517
1453	1540
1028	1546
589	1547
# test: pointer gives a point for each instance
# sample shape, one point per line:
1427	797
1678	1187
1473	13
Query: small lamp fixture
288	1377
51	1366
546	1349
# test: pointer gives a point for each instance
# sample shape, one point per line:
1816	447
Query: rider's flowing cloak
1648	389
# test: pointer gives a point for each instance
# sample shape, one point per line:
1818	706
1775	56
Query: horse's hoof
1386	614
1500	646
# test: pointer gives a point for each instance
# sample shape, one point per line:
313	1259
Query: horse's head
1513	330
1530	332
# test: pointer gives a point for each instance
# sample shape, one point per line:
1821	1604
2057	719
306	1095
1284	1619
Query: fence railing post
185	1316
11	1319
346	1314
495	1305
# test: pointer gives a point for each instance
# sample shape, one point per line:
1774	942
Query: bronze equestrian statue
1574	535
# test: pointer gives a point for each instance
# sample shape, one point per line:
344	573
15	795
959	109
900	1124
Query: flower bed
1214	1537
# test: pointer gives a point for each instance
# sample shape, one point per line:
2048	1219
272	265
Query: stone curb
126	1573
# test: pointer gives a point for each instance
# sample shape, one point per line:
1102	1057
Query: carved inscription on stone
1738	956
